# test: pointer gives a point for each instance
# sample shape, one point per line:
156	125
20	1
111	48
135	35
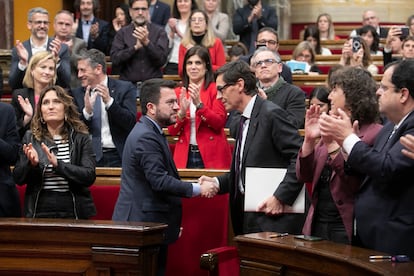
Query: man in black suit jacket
113	116
250	18
159	12
92	30
150	186
38	24
271	141
384	207
9	148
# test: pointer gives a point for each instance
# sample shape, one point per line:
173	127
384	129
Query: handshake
209	186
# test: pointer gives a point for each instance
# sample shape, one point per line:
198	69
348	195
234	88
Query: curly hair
72	116
360	93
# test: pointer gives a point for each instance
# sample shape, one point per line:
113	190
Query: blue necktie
238	156
96	129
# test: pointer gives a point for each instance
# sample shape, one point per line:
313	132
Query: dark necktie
238	156
96	129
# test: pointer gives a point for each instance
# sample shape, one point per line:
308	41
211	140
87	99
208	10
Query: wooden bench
78	247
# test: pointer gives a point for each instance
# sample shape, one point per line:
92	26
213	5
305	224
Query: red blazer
343	187
217	56
211	139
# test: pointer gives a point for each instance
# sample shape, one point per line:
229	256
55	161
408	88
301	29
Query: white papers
262	183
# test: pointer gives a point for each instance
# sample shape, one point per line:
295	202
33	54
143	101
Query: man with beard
92	30
38	24
150	186
141	48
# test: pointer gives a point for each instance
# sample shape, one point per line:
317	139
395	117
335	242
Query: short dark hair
239	69
402	76
270	30
360	93
95	3
94	58
151	92
131	2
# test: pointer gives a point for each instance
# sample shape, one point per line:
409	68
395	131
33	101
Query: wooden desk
78	247
261	255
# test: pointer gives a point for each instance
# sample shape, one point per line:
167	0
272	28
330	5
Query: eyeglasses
384	88
140	9
270	42
40	22
198	20
221	88
304	56
267	62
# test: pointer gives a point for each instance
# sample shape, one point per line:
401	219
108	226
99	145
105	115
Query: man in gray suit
265	139
150	186
63	31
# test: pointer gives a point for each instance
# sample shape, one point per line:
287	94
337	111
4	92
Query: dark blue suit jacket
248	31
121	114
101	42
161	13
9	148
150	187
272	142
384	208
63	70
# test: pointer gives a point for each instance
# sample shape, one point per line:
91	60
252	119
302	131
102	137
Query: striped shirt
52	181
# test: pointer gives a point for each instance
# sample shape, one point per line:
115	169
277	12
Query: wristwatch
200	105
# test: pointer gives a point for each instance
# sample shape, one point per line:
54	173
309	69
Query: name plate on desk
262	183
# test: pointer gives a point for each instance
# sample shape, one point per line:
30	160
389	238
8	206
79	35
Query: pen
278	235
379	257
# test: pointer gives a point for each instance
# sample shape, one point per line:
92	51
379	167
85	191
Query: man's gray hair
36	10
265	49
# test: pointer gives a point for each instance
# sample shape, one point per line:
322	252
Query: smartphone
356	44
405	31
307	238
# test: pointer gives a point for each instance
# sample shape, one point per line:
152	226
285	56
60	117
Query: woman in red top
202	142
199	32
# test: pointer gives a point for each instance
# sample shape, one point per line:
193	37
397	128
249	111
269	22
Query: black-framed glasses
140	9
220	88
264	42
267	62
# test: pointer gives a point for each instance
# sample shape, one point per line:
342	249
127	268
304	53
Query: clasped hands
209	186
33	156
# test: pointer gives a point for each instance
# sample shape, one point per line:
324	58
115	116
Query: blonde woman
40	73
219	21
304	52
199	32
326	27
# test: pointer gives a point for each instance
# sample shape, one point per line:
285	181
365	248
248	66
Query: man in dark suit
268	140
92	30
159	12
250	18
268	66
107	106
38	24
9	148
384	206
150	186
369	17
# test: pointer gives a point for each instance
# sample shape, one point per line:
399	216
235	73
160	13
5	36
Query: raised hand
27	109
22	53
31	154
50	155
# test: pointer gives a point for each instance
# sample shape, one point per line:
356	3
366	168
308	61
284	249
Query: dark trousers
333	231
110	158
194	160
